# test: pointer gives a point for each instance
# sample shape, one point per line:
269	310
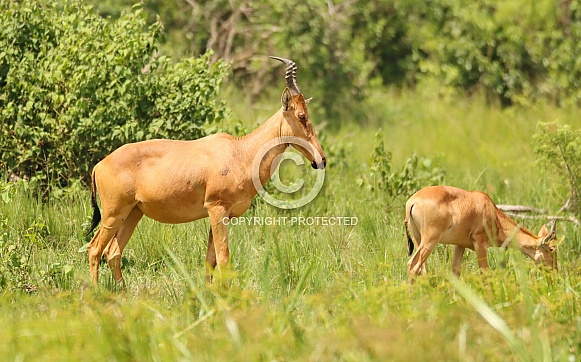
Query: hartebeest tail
468	219
96	213
407	232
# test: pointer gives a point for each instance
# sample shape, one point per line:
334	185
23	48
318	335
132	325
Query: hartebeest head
296	115
546	252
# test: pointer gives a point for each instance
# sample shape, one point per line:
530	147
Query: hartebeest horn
291	75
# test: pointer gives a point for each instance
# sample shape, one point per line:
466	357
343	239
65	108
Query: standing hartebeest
467	219
181	181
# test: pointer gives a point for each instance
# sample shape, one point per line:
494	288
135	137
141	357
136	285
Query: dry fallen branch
520	208
571	219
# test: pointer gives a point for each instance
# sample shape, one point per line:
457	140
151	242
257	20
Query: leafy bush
75	86
559	149
16	248
417	172
14	261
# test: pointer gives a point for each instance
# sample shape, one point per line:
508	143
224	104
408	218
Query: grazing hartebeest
467	219
181	181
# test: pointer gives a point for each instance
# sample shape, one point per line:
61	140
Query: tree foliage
514	51
75	86
339	46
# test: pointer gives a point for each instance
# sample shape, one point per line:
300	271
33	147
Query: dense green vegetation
515	51
480	95
307	292
74	87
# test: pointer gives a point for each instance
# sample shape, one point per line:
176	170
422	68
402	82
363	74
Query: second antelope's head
296	115
546	252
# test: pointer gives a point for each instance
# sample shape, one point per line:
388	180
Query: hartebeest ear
308	100
286	99
548	236
543	232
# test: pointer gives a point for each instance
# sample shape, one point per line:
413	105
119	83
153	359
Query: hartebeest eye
302	117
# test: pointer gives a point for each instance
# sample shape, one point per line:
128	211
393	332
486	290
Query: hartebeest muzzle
321	165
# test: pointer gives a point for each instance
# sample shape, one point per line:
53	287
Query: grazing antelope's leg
114	250
210	258
420	259
480	249
457	259
417	263
412	262
219	216
414	241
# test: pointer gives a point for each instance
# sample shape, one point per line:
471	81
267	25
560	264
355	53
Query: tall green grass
299	292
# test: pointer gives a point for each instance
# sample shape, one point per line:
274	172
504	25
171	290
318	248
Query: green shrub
15	265
75	86
559	149
417	172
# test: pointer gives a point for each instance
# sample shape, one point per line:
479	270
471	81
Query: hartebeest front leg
480	249
219	216
457	259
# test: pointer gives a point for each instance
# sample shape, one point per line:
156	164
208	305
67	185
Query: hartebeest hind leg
102	238
416	238
114	250
110	224
417	264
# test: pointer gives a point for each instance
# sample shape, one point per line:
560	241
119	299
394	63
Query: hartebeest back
181	181
467	219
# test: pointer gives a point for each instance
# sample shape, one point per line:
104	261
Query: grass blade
490	316
181	269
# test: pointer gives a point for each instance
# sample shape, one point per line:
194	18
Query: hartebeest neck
526	240
254	145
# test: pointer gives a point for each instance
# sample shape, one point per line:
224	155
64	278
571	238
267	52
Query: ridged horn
291	75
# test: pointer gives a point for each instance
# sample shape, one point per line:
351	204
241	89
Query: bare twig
521	211
571	203
571	219
520	208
